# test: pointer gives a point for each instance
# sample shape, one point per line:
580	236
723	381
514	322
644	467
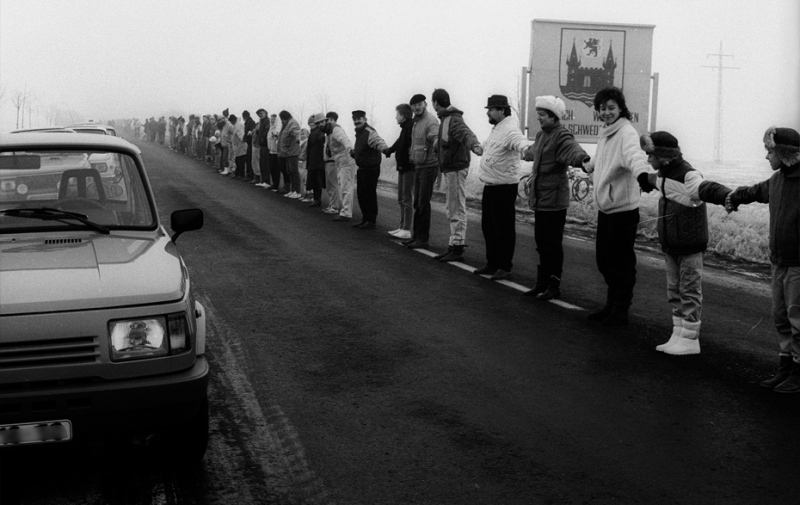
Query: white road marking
510	284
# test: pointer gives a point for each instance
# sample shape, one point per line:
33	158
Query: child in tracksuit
782	193
683	235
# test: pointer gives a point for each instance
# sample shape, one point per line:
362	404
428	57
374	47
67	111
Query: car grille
55	352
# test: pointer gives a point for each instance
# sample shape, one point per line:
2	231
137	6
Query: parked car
100	333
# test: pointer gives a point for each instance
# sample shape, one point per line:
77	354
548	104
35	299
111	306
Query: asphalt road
347	369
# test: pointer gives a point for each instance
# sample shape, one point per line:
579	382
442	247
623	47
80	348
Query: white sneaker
266	186
394	232
330	211
677	328
403	234
295	196
289	194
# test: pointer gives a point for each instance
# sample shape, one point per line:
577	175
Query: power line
718	129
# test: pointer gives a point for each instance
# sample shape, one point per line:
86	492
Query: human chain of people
274	151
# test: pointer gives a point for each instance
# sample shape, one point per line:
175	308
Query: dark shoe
367	226
342	218
792	383
417	244
784	371
500	274
408	241
618	316
457	254
442	255
358	225
541	283
315	204
553	289
601	314
487	270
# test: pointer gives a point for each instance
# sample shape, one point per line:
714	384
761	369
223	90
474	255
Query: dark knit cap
785	142
660	144
416	99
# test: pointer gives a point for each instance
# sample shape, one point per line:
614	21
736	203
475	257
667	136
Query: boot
442	255
603	313
792	383
677	324
689	341
618	315
784	370
456	254
541	283
553	289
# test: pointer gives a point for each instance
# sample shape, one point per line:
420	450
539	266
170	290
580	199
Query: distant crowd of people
273	152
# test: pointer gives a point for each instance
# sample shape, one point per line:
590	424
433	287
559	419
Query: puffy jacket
554	150
423	141
782	193
289	139
455	140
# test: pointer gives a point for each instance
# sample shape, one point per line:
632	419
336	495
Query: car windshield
93	189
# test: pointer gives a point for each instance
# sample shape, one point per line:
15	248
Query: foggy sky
115	59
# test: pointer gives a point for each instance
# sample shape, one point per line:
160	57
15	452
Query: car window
105	187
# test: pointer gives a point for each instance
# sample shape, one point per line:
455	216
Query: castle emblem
590	69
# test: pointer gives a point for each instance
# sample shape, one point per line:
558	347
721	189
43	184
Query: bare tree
323	103
18	99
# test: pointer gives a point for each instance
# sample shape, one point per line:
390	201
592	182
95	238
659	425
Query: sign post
575	60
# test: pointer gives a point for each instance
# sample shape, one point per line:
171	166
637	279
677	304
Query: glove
478	150
644	183
730	203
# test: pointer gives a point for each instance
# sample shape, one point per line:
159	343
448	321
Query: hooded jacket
455	140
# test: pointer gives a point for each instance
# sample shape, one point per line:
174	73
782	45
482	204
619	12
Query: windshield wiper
51	214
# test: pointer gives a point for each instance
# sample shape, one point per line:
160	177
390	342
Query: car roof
46	140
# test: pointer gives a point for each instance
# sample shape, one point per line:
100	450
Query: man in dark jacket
249	126
315	158
781	192
367	153
454	143
405	171
261	139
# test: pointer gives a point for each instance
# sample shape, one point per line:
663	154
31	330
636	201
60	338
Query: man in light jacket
426	169
499	171
289	152
339	147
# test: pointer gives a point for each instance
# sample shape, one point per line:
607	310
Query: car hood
88	272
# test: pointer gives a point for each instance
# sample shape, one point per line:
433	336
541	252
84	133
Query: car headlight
148	338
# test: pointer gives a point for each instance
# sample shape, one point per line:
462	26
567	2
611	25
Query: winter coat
339	147
782	193
249	126
315	150
289	139
368	147
237	139
617	162
262	133
455	140
423	141
554	150
500	162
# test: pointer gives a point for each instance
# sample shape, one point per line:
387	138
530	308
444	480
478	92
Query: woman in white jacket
620	171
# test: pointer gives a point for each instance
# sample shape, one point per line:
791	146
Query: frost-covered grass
741	235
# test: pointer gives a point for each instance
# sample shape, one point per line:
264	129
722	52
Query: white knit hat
552	103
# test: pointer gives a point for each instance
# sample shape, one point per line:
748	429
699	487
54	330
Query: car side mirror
185	220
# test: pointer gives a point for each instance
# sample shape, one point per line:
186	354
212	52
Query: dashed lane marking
510	284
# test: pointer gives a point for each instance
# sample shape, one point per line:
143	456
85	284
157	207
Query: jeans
223	157
315	183
241	162
275	171
786	308
424	178
346	183
456	208
685	285
293	172
498	223
255	161
332	186
405	197
616	259
248	162
367	192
